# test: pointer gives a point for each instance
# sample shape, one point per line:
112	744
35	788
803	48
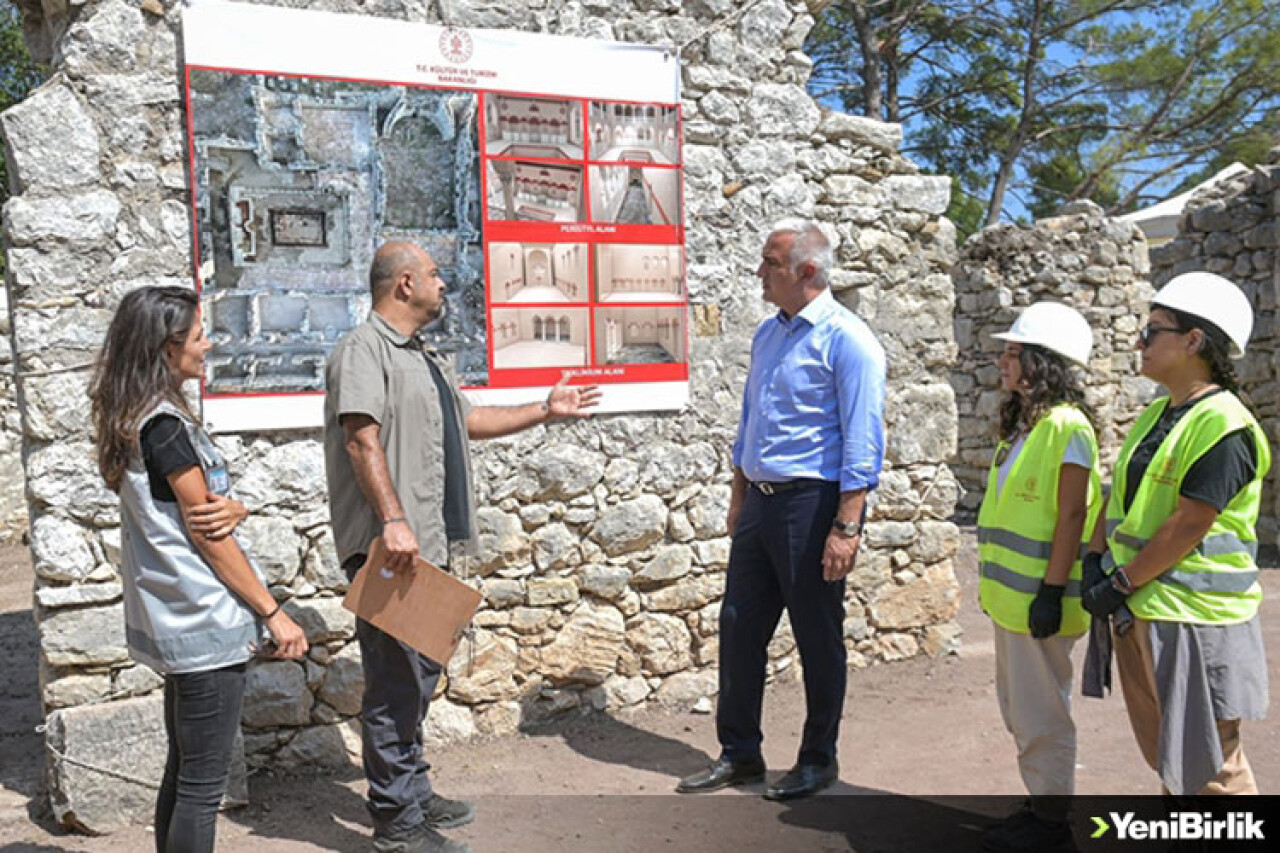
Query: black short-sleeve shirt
1215	478
166	449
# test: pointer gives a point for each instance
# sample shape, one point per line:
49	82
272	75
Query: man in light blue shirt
810	447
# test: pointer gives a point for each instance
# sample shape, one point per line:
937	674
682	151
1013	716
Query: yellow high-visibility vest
1217	582
1015	529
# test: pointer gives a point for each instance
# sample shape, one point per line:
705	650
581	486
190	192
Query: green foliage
1046	101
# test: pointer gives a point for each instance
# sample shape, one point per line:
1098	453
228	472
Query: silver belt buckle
766	488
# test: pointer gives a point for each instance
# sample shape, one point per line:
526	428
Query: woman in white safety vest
1043	492
193	603
1178	574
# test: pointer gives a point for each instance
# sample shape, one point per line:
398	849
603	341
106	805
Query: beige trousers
1033	685
1137	670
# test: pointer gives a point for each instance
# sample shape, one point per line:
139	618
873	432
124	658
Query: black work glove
1104	598
1091	571
1045	616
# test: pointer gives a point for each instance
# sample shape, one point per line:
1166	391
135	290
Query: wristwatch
847	528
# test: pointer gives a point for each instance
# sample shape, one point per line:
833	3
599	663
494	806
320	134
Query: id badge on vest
216	476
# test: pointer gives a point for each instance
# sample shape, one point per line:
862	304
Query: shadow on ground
318	808
610	740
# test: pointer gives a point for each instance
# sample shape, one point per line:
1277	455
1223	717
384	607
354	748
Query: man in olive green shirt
395	435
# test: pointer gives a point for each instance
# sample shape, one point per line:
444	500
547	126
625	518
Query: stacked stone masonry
1083	259
13	503
603	544
1233	229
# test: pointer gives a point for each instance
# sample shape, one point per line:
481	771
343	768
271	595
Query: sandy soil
925	735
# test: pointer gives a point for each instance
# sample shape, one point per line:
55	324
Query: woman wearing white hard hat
1043	493
1180	544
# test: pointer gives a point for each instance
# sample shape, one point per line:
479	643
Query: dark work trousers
201	718
398	685
776	562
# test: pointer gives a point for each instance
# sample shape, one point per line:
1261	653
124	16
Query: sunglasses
1148	333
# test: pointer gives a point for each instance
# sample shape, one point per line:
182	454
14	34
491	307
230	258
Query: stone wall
13	501
1094	264
1232	229
603	542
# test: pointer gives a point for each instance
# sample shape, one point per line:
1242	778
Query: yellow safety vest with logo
1217	582
1015	528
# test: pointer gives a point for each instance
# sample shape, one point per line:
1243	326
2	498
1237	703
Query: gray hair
809	246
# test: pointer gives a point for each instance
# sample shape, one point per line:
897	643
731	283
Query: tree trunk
1009	156
869	43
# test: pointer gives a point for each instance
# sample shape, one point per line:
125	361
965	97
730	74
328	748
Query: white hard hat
1055	327
1213	298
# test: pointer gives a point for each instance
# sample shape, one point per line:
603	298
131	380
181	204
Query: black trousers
398	685
201	717
776	562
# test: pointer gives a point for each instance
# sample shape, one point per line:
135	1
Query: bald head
390	262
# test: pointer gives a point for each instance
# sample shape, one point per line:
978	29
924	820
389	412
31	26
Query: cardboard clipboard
428	610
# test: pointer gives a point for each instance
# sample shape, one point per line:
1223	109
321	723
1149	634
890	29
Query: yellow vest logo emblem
1030	492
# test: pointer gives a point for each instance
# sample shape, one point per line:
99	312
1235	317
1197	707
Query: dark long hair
1215	351
1048	382
132	373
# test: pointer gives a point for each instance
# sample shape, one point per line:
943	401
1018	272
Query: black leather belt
764	487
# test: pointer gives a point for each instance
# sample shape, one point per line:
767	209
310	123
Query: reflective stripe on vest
1016	527
1216	583
991	570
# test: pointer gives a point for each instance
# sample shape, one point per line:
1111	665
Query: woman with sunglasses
1178	572
193	602
1043	493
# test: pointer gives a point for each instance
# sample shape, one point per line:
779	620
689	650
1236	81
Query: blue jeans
775	562
201	717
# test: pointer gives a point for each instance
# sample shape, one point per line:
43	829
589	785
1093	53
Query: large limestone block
290	475
687	594
684	690
709	510
61	550
663	642
55	406
447	723
502	542
586	649
92	636
276	694
604	580
323	619
930	599
273	544
929	194
859	129
565	471
52	141
555	547
670	563
86	219
105	41
483	669
631	525
922	427
781	109
106	762
64	476
317	746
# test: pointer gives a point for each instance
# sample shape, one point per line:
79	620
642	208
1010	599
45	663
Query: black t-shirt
1215	478
166	448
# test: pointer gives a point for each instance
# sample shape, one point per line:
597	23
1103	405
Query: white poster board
544	175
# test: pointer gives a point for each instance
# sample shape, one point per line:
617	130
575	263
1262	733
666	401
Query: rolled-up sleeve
859	366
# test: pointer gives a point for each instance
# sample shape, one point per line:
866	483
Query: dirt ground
924	735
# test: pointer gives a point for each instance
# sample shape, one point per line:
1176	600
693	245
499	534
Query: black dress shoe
802	780
722	774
